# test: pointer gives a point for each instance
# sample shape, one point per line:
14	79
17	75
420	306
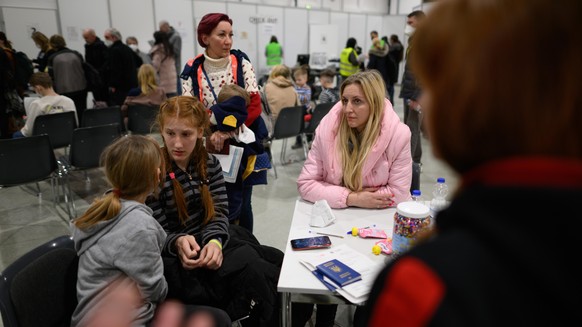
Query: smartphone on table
317	242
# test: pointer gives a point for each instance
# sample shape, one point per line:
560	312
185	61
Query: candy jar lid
413	209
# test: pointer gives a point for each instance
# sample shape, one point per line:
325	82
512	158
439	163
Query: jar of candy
411	220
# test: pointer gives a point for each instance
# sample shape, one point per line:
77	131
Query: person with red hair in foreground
503	253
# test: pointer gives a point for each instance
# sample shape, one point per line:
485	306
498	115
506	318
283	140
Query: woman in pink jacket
361	153
360	157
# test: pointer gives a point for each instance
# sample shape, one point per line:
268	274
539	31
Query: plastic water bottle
439	197
417	196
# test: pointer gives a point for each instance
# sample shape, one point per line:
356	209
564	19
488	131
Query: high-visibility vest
274	53
346	68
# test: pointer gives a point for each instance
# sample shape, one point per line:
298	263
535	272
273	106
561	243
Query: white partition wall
80	14
245	30
358	29
342	21
134	18
296	31
21	22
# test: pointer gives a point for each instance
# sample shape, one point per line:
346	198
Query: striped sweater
166	213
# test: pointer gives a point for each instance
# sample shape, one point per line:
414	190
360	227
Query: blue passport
338	272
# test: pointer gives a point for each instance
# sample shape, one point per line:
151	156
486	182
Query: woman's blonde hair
131	165
40	39
354	146
191	111
146	77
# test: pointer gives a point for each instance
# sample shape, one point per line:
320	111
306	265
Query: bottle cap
416	193
440	180
413	209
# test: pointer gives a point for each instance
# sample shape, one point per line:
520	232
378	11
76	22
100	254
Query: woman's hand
370	198
217	138
211	256
188	250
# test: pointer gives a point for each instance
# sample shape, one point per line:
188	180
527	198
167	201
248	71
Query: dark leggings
246	215
301	312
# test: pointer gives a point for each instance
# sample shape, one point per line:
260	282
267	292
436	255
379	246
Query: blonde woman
360	157
361	153
148	92
44	51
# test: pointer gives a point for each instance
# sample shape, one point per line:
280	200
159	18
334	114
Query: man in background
132	43
410	92
95	55
120	68
176	41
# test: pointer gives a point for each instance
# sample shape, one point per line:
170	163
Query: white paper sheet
230	163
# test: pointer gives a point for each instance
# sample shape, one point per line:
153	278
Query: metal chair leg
284	146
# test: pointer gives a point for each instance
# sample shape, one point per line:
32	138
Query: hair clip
172	175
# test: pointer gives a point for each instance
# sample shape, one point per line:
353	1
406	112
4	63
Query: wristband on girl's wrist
217	242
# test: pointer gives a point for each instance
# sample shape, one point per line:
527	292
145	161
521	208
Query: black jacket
245	284
410	88
120	67
506	254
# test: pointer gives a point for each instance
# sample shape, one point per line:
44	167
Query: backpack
266	112
23	69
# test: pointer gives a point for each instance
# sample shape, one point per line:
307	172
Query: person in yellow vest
349	63
274	52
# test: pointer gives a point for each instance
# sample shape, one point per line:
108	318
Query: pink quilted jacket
388	166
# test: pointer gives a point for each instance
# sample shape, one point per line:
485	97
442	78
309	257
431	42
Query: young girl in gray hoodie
118	241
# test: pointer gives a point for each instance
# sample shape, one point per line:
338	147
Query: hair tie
205	181
117	192
172	175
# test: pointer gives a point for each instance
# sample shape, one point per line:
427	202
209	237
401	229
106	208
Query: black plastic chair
28	160
58	126
39	288
103	116
86	147
289	123
140	118
319	112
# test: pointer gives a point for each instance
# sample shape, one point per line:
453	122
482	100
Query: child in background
117	239
329	93
300	77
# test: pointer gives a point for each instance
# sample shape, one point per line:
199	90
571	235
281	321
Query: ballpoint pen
329	234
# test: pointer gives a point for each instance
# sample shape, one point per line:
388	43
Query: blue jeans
17	135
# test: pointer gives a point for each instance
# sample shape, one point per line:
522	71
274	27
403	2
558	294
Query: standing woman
274	52
204	77
162	54
42	43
